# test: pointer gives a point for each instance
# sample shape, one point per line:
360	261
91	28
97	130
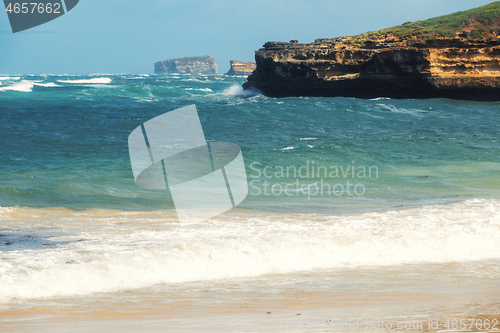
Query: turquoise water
64	144
334	184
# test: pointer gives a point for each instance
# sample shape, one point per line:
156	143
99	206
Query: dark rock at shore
188	65
241	68
449	68
386	64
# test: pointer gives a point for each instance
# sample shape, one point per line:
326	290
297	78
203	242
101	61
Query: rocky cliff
189	65
420	59
241	68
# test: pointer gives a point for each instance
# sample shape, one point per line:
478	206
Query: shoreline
396	294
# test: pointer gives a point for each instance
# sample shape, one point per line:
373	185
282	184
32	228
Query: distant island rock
452	56
241	68
188	65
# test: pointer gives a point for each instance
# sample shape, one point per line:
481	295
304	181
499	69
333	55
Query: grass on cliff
477	23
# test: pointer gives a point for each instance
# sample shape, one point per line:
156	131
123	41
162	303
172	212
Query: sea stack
452	56
241	68
204	65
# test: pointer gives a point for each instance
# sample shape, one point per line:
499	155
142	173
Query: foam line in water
8	78
47	85
111	258
22	86
97	80
237	90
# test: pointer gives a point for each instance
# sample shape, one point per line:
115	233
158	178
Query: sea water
341	192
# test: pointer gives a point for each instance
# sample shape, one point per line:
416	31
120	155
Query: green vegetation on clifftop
477	23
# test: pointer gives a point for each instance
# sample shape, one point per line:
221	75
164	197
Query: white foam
237	90
136	77
394	109
8	78
145	99
47	85
22	86
27	86
199	89
111	256
97	80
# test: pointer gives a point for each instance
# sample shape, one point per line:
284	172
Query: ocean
363	211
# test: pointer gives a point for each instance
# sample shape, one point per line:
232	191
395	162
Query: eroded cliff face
443	67
241	68
189	65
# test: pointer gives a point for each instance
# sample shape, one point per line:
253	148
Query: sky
129	36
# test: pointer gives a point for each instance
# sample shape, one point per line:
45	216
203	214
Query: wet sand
411	295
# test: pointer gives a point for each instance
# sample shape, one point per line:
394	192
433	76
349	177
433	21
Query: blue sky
127	36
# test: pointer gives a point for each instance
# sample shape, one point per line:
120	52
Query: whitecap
112	259
8	78
237	90
97	80
22	86
394	109
47	85
199	89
